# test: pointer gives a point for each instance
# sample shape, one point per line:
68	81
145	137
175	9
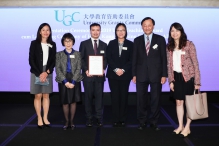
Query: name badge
124	48
72	56
102	52
183	52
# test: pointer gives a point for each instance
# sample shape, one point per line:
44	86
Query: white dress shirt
177	61
45	48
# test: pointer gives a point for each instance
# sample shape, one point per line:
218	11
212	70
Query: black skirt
68	96
182	88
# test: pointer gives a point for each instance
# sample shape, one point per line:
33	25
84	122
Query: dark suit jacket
61	66
153	66
36	58
86	49
122	62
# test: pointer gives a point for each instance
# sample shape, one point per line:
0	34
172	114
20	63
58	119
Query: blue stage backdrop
18	26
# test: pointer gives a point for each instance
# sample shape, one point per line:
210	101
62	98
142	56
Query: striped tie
147	45
95	47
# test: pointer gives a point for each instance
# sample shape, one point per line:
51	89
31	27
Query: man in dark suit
93	85
149	67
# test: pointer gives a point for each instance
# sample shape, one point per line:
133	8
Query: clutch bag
37	82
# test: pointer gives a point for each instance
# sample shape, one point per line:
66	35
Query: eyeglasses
68	41
120	30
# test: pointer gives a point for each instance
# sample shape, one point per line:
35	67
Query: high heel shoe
176	133
65	127
47	125
184	135
72	127
40	126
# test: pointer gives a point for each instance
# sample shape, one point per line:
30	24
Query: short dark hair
39	36
182	39
148	18
121	24
67	36
95	24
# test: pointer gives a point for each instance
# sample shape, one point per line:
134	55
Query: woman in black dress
42	62
68	71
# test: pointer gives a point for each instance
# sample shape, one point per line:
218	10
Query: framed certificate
95	65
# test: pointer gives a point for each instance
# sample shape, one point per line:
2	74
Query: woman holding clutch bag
183	72
68	71
42	61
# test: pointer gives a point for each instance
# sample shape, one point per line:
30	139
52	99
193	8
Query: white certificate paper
95	65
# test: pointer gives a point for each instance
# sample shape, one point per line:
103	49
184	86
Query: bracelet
47	73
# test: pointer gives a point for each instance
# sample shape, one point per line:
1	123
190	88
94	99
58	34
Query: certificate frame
95	65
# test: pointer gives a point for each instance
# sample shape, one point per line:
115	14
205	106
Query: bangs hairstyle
121	24
39	36
148	18
67	36
95	24
182	40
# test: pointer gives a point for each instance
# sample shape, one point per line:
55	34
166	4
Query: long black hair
39	36
182	40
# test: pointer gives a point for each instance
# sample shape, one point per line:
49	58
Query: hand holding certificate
96	65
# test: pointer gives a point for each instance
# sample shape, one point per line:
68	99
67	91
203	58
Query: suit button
182	65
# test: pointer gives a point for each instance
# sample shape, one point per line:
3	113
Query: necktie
95	47
147	45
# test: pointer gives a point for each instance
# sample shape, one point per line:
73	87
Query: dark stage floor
18	128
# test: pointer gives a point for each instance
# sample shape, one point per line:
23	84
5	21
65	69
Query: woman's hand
71	85
43	76
172	86
119	72
197	87
67	85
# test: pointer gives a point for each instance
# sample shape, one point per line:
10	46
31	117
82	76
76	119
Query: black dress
182	88
68	96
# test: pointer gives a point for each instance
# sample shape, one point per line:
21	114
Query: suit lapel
90	46
153	42
40	47
143	47
99	47
124	45
64	59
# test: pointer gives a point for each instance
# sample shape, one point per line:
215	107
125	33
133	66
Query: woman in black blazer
119	58
42	61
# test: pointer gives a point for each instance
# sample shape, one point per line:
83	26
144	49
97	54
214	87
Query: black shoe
99	123
40	126
72	127
141	126
65	127
122	124
47	125
154	126
116	124
89	123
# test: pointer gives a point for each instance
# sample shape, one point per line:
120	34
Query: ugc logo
67	20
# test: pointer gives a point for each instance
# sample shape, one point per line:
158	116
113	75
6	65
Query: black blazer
123	62
153	66
36	58
86	49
